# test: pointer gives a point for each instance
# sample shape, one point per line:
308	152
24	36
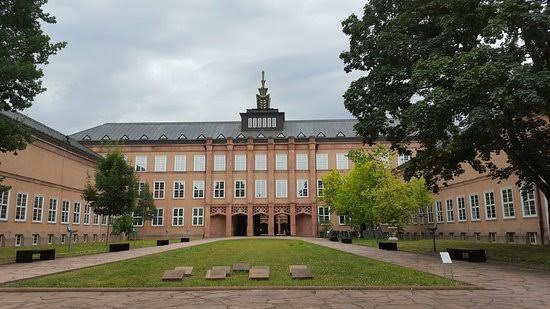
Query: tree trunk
108	225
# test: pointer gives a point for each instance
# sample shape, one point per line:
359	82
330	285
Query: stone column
229	186
208	186
271	185
291	160
271	223
250	222
293	219
228	221
312	156
250	185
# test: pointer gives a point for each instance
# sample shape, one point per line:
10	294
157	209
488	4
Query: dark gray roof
41	130
331	128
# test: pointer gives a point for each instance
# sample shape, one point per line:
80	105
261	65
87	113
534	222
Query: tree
146	204
114	192
123	224
24	47
467	80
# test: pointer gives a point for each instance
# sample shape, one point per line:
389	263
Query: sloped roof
192	130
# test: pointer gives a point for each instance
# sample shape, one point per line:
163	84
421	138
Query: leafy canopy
466	79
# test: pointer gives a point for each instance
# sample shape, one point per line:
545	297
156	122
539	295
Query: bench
387	246
470	255
345	237
163	242
184	239
333	236
25	256
119	247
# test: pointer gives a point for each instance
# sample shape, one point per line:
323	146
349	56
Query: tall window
141	163
528	203
179	189
240	162
199	164
179	163
430	214
301	162
240	188
219	189
403	158
281	162
324	215
177	217
37	208
87	213
4	204
461	208
219	163
158	217
138	219
104	220
65	209
508	203
450	211
474	206
95	219
158	190
341	220
281	188
198	216
21	207
490	207
260	162
302	188
321	161
320	187
76	213
198	189
18	240
261	188
439	211
52	211
160	163
342	162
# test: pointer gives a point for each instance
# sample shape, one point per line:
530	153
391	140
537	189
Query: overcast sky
192	60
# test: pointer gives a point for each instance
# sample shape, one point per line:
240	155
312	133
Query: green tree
123	224
468	80
146	204
24	49
114	192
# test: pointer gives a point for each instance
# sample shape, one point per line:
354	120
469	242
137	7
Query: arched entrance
303	225
282	225
217	225
239	223
261	222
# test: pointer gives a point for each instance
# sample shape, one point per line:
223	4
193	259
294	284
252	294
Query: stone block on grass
227	269
173	275
215	274
259	273
300	272
187	269
241	267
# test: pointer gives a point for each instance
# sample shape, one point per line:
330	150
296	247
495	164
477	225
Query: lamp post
433	229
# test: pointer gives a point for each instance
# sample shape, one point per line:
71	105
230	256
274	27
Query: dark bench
387	246
333	236
346	240
184	239
25	256
119	247
163	242
470	255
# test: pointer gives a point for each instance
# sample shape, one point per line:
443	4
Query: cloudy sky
192	60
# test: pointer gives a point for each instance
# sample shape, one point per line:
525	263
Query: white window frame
158	214
160	163
179	192
281	162
35	239
159	193
321	161
76	214
281	188
493	206
475	207
341	220
137	220
20	207
199	163
511	203
342	161
239	189
65	211
450	214
197	216
431	217
5	205
260	162
198	187
141	164
533	200
178	216
219	163
180	162
532	238
439	211
260	188
301	186
95	218
38	208
403	158
302	163
52	211
463	199
87	213
320	188
19	240
240	162
325	214
218	189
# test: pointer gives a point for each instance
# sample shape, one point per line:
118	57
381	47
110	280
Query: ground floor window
198	216
94	238
463	236
138	220
75	238
50	239
63	238
85	238
510	236
35	239
532	237
158	217
342	220
177	216
324	215
477	236
492	237
18	240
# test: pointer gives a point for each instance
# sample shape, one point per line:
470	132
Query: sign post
446	260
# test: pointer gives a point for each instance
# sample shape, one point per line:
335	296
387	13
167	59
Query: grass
532	256
330	268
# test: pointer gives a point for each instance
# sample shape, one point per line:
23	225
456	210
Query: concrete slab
215	274
293	267
173	275
301	273
241	267
187	269
227	269
259	273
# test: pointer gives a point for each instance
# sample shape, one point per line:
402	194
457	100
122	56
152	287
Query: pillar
228	221
250	222
312	159
293	219
271	222
208	186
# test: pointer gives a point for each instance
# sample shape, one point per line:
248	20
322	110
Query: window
439	211
199	164
261	189
301	162
63	238
179	189
510	236
140	188
219	163
528	203
508	203
177	217
87	214
260	162
76	213
138	219
474	206
430	214
37	208
52	211
532	238
403	158
198	189
75	238
158	217
219	189
95	219
450	212
321	161
104	220
198	216
21	207
179	163
342	162
461	208
4	204
477	236
342	220
160	163
240	162
280	162
490	208
240	188
65	212
281	188
320	187
302	188
324	215
51	239
141	163
158	191
35	239
18	240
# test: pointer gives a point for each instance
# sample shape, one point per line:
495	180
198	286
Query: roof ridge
215	121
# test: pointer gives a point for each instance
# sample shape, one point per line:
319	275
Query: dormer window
163	137
105	138
241	135
321	134
301	134
221	136
86	138
182	137
144	137
201	137
260	135
124	137
281	135
340	134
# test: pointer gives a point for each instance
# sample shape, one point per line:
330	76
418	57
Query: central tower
263	117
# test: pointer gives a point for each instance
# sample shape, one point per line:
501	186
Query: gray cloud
192	60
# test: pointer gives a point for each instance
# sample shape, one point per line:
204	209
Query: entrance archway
303	225
217	226
240	223
282	225
260	224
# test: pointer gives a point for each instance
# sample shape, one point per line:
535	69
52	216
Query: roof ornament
263	100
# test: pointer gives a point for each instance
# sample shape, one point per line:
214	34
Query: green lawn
532	256
330	268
